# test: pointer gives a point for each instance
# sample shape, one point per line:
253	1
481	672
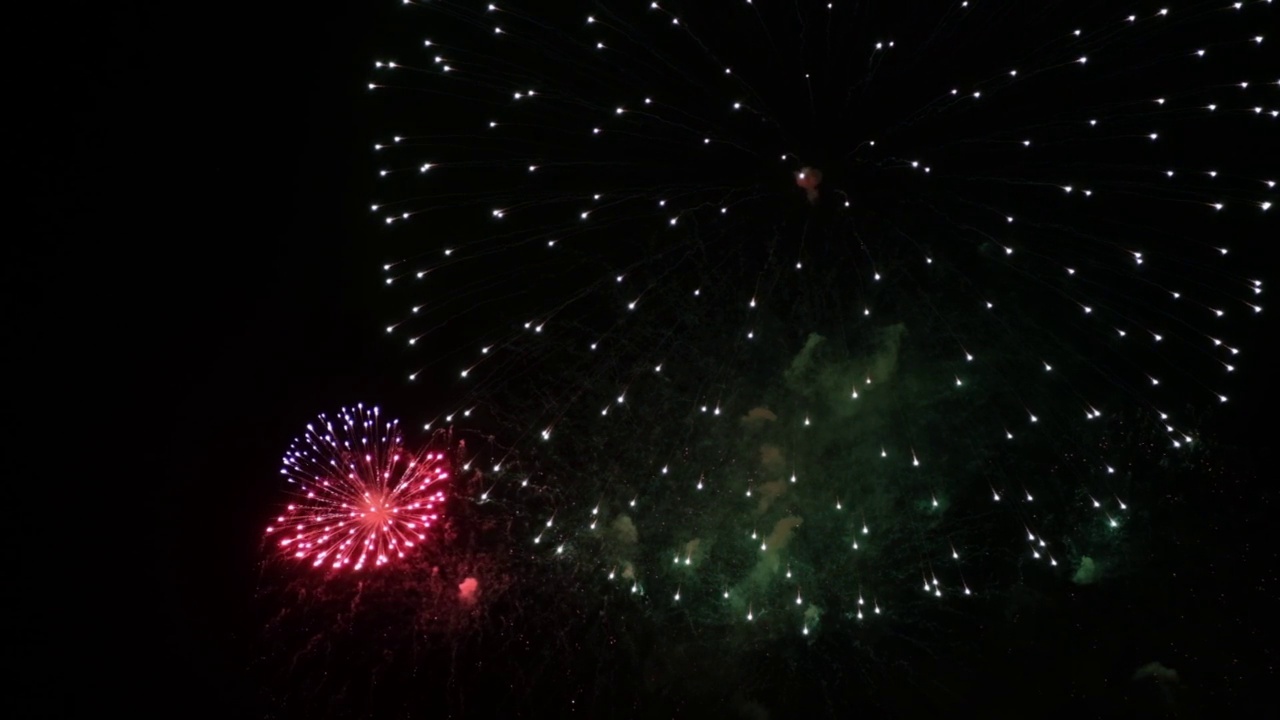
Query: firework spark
361	497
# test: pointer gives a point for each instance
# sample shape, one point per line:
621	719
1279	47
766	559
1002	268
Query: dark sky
203	265
197	286
280	315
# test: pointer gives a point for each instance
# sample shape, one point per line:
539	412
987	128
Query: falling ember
809	179
361	497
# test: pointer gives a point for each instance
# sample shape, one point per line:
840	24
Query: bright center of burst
376	513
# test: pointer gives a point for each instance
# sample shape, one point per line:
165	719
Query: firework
360	497
808	305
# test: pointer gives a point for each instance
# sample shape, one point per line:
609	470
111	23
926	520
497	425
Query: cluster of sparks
553	130
360	498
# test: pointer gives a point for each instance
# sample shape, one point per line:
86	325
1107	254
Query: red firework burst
361	496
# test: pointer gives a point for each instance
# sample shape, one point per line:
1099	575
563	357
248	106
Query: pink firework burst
361	496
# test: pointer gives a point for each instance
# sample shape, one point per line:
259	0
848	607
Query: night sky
210	194
282	315
197	193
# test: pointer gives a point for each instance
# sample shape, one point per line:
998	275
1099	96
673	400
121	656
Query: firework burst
360	496
804	326
782	283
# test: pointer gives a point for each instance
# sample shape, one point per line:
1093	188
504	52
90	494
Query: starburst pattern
361	498
814	302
